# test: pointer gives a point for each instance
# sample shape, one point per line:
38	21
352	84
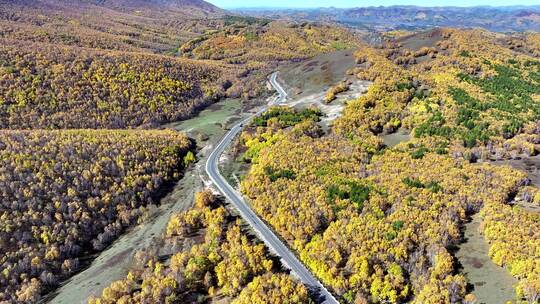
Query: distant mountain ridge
188	8
500	19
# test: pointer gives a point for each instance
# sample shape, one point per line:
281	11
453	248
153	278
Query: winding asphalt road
267	235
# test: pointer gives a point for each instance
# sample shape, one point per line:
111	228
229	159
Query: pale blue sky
362	3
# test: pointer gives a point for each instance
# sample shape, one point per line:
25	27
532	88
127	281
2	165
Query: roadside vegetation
409	210
207	256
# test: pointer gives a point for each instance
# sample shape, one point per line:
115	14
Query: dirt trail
333	110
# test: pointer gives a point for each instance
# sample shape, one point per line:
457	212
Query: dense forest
83	65
318	193
474	91
463	100
65	88
65	194
210	258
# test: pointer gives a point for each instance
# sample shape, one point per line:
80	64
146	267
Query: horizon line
380	6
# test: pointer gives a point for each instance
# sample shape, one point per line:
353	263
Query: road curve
267	235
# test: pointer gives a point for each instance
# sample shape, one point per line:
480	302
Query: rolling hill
133	63
135	25
111	60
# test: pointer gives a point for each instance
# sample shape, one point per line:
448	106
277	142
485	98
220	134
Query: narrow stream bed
491	284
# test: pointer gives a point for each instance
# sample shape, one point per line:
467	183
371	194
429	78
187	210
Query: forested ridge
145	26
81	65
254	41
378	225
210	258
66	194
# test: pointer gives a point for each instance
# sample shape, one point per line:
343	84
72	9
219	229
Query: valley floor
113	263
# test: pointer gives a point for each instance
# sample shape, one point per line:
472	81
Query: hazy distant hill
501	19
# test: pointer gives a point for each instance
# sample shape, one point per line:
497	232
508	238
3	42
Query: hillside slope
47	86
154	26
379	224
